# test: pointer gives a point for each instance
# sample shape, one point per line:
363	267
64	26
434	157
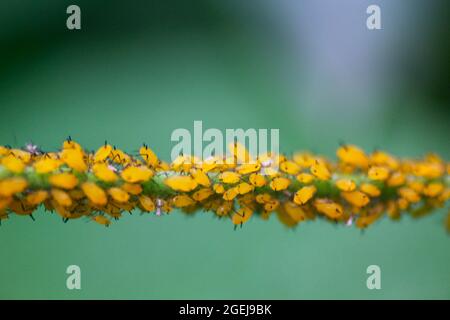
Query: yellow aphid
118	194
240	153
178	162
294	211
20	208
70	144
429	170
242	215
265	215
74	159
364	221
138	174
285	218
409	194
200	177
278	159
445	195
63	180
305	178
247	200
103	153
182	200
230	194
381	158
4	202
218	188
229	163
244	188
329	208
4	151
370	189
3	215
378	173
181	183
279	184
94	193
36	197
76	194
120	157
131	188
11	186
433	189
271	172
289	167
303	195
356	198
353	155
104	173
163	166
209	164
187	166
202	194
13	164
257	180
61	197
148	155
224	208
417	186
46	165
402	204
80	210
271	205
23	155
230	177
263	198
146	203
346	184
52	155
102	220
396	179
319	170
248	168
393	210
304	160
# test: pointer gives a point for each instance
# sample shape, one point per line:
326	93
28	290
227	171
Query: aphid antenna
241	215
342	143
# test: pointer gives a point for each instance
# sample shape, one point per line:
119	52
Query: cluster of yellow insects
357	189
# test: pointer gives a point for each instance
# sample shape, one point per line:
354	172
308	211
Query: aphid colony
358	189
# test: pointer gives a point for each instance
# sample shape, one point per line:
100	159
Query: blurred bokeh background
139	69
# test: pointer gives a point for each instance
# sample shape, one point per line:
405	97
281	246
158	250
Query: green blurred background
137	70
